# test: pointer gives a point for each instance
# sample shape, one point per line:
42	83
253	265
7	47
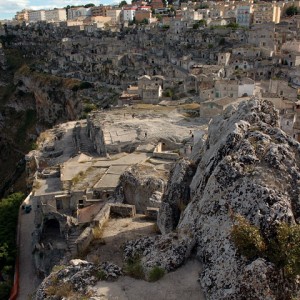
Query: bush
156	273
247	238
88	107
283	249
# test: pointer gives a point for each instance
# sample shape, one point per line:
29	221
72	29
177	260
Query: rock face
54	98
248	166
142	186
176	196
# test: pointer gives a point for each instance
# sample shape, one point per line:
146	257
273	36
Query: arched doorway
51	228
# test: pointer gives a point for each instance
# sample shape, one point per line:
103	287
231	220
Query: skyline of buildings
9	10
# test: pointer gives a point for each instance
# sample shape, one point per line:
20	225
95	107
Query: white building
56	15
244	15
129	13
36	15
77	12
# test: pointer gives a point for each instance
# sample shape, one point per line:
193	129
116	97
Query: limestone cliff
248	166
56	99
30	102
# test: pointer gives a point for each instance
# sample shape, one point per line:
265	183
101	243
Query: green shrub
283	249
156	273
88	107
134	268
247	238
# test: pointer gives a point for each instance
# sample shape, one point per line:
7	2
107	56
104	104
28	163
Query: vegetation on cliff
283	249
9	208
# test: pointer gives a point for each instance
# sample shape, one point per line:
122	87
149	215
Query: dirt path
28	279
179	285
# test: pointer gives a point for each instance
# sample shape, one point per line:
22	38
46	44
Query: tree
122	3
89	5
291	11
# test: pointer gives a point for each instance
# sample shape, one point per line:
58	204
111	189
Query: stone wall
123	210
84	240
86	237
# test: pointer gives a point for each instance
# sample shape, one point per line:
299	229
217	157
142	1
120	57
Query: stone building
76	12
99	10
114	14
56	15
150	90
244	15
36	15
265	12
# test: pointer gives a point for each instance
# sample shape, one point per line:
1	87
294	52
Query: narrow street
28	280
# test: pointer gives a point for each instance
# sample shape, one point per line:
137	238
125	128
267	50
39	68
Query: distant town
244	13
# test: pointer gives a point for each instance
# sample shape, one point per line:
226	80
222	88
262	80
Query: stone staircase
71	243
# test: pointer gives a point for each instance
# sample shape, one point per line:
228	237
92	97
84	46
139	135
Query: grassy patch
64	290
156	273
101	275
57	268
134	268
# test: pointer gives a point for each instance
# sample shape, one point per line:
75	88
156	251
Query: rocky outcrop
75	278
142	186
248	166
